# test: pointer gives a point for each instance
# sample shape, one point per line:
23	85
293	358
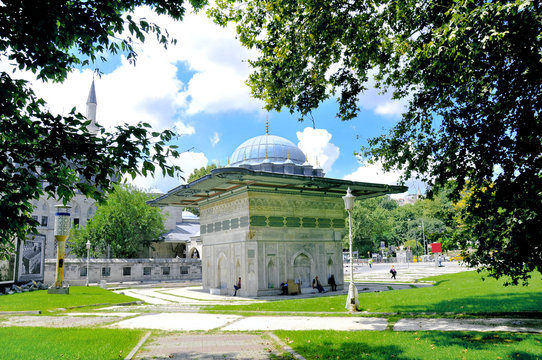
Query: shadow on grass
350	350
439	282
491	303
503	345
471	340
417	345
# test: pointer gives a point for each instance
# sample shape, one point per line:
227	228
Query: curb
24	312
286	347
136	348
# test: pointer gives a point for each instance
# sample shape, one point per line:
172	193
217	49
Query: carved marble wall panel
268	238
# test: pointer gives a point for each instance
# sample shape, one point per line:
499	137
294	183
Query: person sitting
317	285
331	282
237	287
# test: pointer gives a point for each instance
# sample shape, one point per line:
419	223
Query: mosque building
82	208
270	217
181	240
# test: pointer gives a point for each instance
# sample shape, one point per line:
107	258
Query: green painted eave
224	181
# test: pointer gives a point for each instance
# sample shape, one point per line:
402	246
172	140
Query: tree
201	172
372	224
46	154
471	72
124	223
197	174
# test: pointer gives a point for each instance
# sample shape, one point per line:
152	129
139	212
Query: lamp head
62	220
349	200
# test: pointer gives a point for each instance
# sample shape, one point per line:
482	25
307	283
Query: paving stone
207	347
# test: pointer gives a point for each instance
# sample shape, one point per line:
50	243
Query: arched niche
302	269
272	276
222	272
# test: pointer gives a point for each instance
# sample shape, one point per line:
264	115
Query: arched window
91	211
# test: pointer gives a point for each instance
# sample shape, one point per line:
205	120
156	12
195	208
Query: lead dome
273	148
272	153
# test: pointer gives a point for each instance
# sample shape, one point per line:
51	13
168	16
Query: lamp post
352	299
423	237
88	255
62	231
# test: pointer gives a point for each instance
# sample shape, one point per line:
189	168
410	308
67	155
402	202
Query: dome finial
267	124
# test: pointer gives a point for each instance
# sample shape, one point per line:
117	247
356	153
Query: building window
44	221
106	271
76	222
34	217
127	271
147	270
82	271
165	270
184	270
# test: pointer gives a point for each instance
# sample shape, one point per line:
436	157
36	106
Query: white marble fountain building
270	217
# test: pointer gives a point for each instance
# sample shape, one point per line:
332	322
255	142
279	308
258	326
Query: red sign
436	247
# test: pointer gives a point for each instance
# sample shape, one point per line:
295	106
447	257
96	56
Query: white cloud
316	146
214	54
215	139
183	129
151	91
373	173
188	161
391	107
381	103
145	93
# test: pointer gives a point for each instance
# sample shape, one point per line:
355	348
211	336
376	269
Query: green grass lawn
412	345
463	292
64	343
78	296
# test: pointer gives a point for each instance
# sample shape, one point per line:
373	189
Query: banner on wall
436	247
7	269
31	258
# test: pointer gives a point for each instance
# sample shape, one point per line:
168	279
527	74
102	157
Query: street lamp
352	299
423	237
62	231
88	255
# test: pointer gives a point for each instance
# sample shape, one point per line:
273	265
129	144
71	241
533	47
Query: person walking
370	263
393	272
237	287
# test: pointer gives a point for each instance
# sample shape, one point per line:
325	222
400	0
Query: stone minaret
91	109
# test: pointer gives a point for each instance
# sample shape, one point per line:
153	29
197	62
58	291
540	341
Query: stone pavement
207	347
174	309
222	336
367	279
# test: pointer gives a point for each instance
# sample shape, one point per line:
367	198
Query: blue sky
197	87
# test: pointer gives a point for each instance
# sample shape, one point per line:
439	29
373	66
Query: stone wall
125	270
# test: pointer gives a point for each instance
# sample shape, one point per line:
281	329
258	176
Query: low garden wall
125	270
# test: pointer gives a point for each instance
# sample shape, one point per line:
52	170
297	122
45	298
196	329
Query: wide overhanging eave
230	180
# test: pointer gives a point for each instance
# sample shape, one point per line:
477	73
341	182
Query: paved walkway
175	309
208	347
